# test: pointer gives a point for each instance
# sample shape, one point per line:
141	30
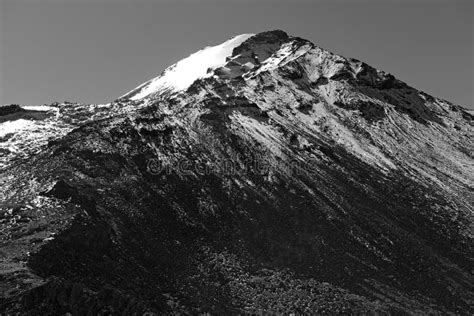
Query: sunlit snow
38	107
182	74
11	127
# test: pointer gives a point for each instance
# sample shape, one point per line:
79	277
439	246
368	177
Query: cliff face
284	179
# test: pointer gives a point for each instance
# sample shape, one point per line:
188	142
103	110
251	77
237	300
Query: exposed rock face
10	109
288	179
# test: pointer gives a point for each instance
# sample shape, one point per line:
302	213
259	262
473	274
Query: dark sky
95	51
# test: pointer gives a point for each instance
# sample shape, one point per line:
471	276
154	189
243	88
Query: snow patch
182	74
11	127
43	108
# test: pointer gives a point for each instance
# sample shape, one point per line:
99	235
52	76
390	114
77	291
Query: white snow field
182	74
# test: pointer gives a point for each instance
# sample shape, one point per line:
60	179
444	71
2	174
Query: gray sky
95	51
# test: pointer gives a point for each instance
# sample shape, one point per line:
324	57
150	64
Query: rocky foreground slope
279	178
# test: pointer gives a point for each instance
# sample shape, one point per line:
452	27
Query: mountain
262	175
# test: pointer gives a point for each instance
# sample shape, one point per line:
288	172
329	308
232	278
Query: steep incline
287	179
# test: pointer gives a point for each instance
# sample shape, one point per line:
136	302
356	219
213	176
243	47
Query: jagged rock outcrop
283	179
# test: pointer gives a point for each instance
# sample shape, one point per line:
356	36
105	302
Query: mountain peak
261	175
271	36
202	63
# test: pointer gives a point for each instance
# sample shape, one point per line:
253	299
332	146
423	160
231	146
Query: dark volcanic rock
10	109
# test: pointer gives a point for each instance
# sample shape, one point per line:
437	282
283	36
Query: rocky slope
282	179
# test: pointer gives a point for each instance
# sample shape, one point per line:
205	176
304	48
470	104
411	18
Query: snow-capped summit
182	74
